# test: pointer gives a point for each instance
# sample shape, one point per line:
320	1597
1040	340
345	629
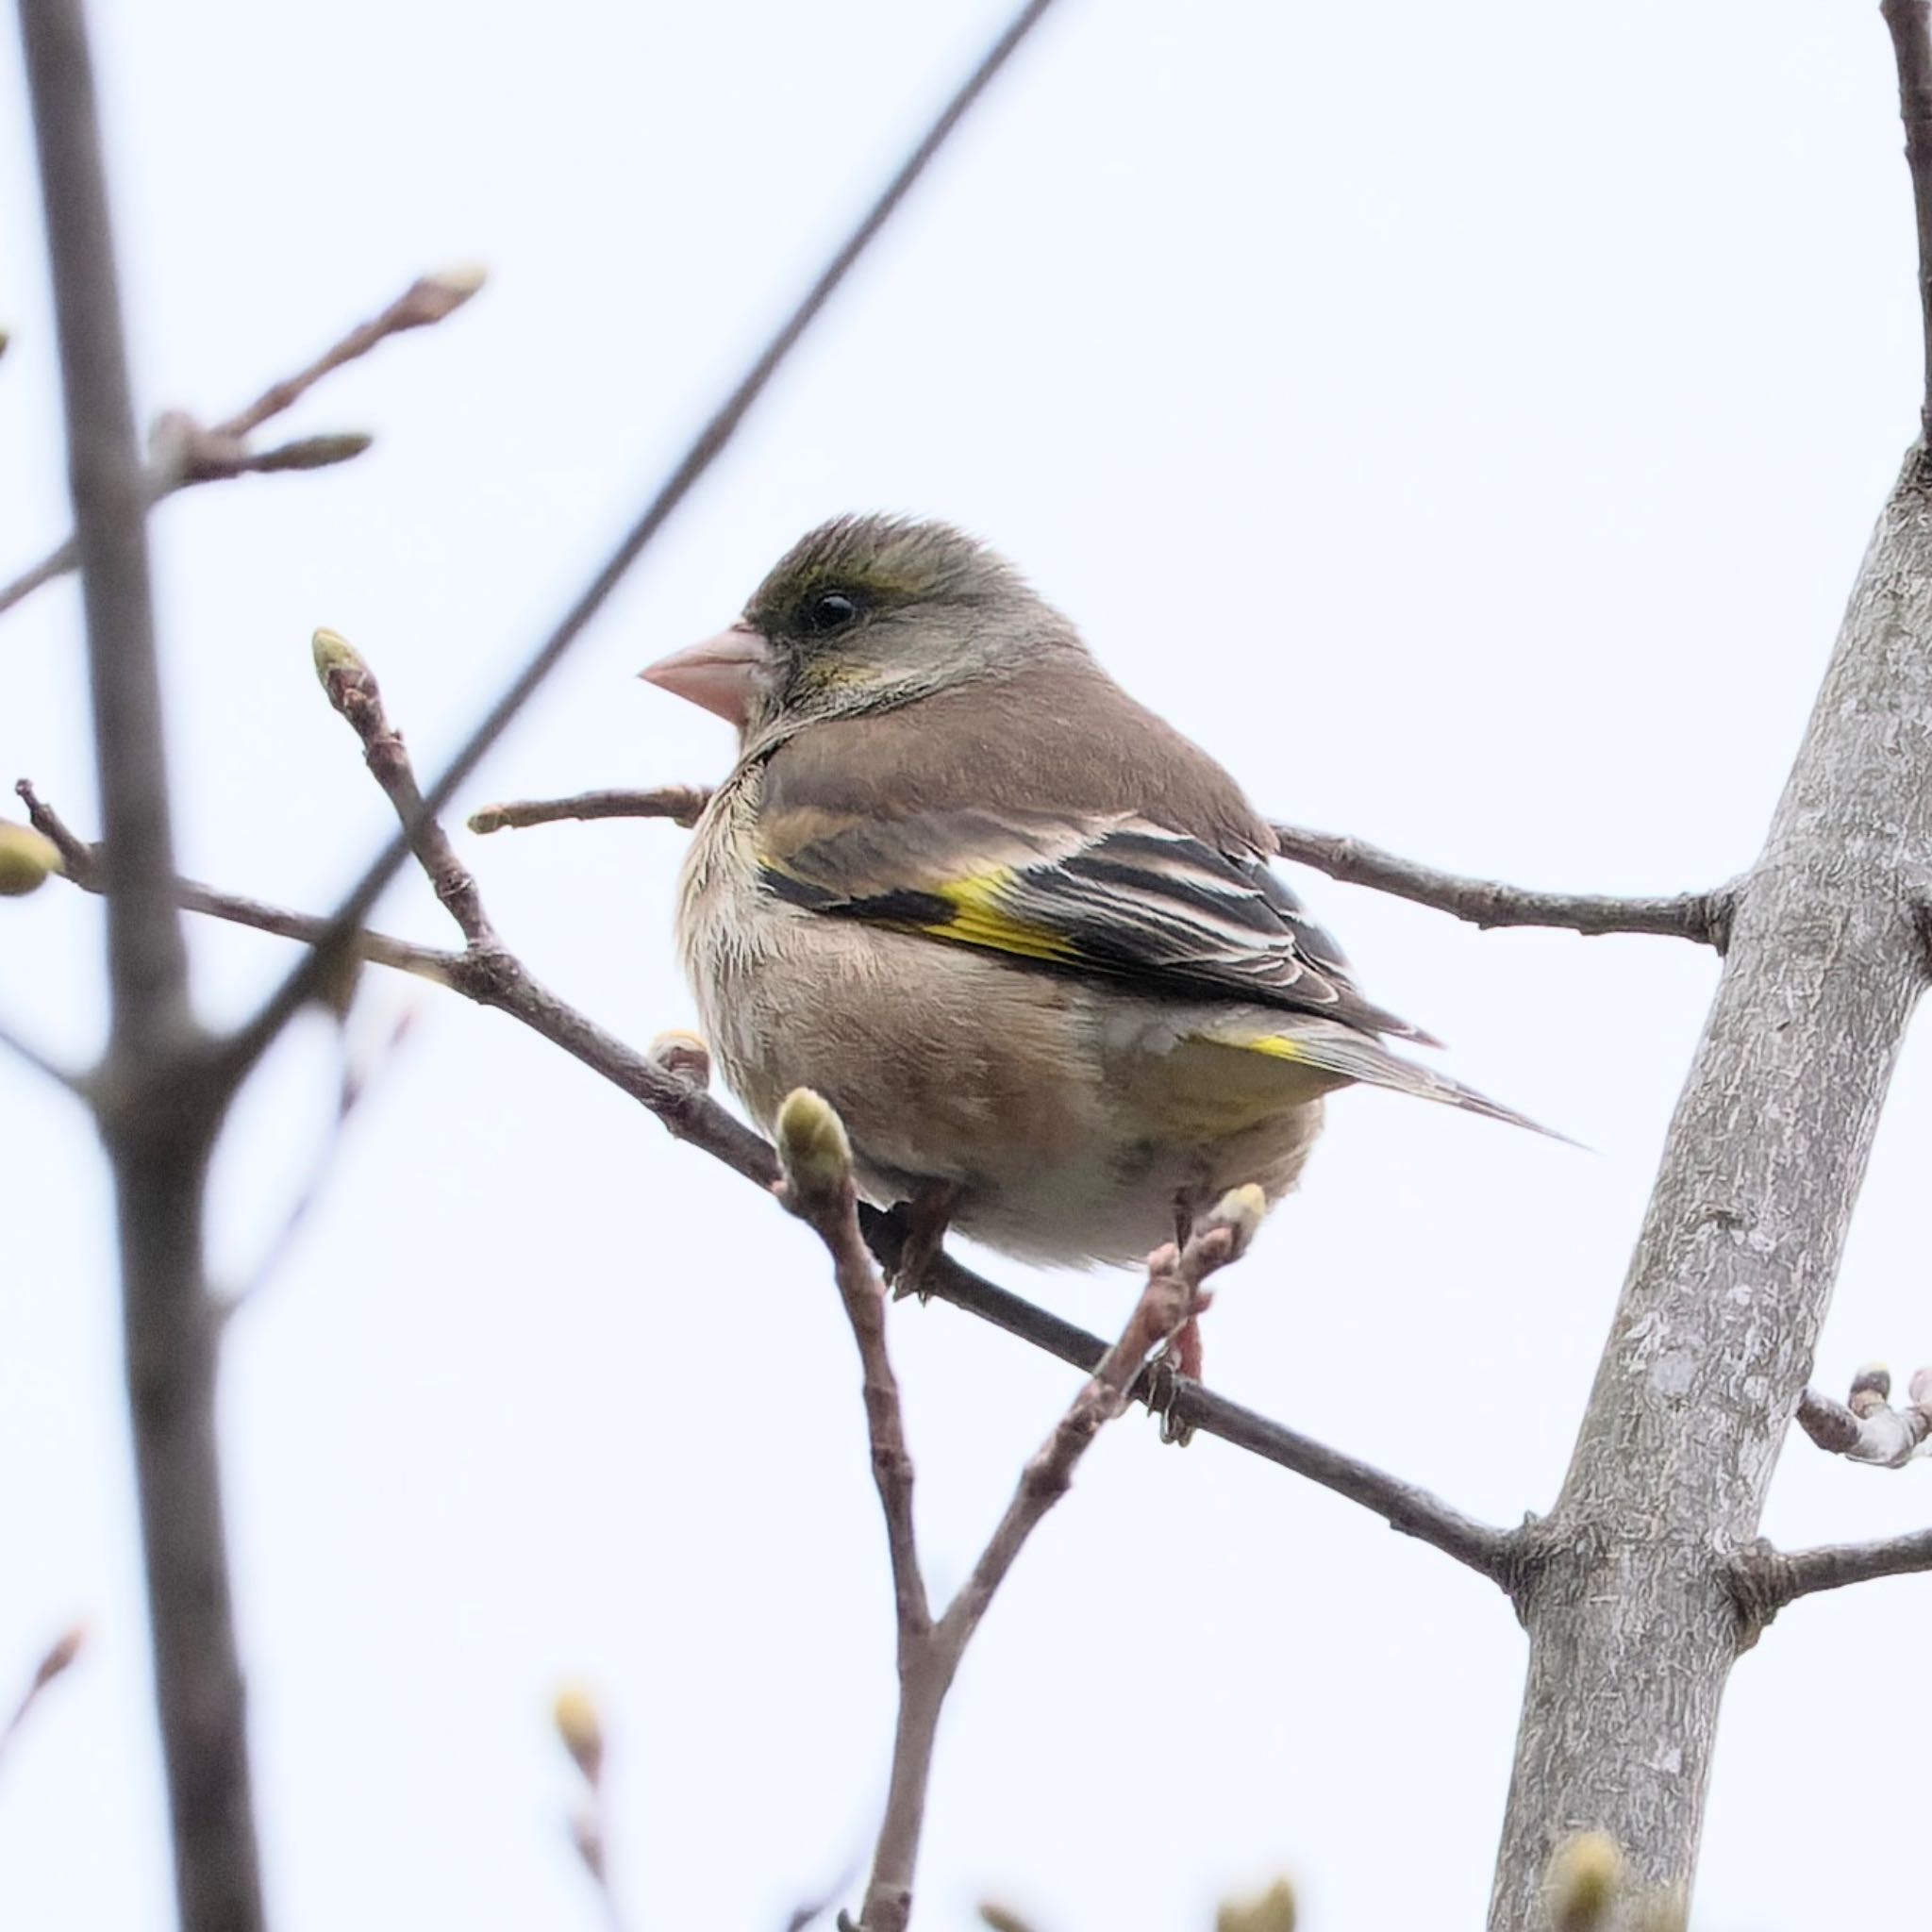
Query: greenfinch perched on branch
1021	933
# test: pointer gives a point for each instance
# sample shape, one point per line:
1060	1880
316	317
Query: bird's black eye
828	612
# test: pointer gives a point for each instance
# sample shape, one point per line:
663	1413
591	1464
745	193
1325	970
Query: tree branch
670	1080
1767	1579
1701	916
312	971
185	452
818	1187
156	1107
681	804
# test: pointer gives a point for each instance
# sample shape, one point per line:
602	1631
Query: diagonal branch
1703	917
313	970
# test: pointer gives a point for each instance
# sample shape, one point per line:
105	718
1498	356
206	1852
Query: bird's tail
1328	1047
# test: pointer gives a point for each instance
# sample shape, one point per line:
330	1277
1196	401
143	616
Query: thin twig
818	1187
314	969
1700	916
661	1084
352	1086
57	1659
186	452
157	1106
358	699
1703	917
817	1165
681	804
23	1049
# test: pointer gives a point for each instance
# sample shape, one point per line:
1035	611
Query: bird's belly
1068	1115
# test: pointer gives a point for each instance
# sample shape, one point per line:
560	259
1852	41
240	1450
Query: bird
1022	934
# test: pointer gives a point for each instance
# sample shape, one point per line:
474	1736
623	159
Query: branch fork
816	1160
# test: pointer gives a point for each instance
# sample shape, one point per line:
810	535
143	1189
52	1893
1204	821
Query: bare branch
1866	1428
817	1165
1701	916
357	698
185	452
58	1659
669	1082
1766	1579
353	1084
24	1050
83	869
818	1187
301	984
158	1108
681	804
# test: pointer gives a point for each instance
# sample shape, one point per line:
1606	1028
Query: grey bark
1627	1592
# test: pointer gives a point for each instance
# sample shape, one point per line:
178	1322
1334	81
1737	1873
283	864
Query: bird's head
863	615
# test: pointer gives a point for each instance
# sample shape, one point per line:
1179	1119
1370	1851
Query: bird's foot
924	1220
1169	1374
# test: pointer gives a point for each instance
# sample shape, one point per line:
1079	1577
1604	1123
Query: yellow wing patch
979	920
1277	1045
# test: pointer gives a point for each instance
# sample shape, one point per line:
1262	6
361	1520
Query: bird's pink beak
722	673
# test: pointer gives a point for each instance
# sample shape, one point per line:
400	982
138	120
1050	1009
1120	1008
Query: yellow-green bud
1272	1910
812	1147
333	651
26	859
313	452
1585	1876
582	1730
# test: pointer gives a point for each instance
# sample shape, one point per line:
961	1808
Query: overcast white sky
1465	421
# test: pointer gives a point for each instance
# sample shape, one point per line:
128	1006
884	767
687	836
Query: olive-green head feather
869	611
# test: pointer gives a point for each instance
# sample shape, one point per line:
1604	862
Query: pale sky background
1465	421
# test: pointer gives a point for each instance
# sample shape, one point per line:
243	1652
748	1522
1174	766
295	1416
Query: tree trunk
1626	1595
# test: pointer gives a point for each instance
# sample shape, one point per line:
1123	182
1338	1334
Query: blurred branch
1701	916
157	1100
58	1659
580	1730
352	1086
818	1187
184	451
312	969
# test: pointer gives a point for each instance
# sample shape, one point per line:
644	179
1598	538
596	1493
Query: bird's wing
1110	893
